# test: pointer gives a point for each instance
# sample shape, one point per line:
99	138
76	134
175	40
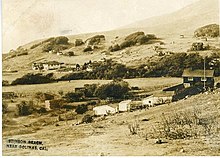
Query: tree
87	119
90	90
74	97
81	109
31	78
115	89
61	40
25	108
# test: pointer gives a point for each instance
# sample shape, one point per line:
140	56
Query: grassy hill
167	27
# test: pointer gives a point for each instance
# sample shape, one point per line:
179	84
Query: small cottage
104	110
198	78
124	106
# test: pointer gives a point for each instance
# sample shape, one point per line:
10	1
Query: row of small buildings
194	82
54	65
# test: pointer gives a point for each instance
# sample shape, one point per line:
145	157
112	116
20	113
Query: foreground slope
111	136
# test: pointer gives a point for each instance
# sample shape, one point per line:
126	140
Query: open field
111	136
66	86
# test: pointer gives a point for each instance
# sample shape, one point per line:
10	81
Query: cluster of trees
31	78
56	44
137	38
211	30
117	89
102	70
169	65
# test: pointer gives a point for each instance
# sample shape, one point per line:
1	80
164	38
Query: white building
157	99
124	105
104	110
52	65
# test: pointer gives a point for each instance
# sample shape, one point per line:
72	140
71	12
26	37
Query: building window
203	79
190	78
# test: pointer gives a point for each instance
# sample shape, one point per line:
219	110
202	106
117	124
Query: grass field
66	86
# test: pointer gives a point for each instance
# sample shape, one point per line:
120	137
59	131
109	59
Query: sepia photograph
110	77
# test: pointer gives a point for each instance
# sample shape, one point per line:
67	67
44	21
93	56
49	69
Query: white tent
125	105
104	110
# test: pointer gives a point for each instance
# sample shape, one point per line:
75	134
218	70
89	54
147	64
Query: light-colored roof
125	101
198	73
103	107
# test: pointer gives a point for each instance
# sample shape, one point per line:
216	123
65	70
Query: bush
150	36
43	96
81	109
114	48
114	89
87	49
133	36
4	107
25	108
186	124
61	40
142	39
90	90
5	83
74	97
79	42
127	43
87	119
211	30
133	128
33	79
70	53
95	39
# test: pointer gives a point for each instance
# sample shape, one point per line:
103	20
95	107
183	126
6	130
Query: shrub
211	30
109	90
142	39
31	78
35	45
150	36
74	97
43	96
127	43
48	47
95	39
133	128
5	83
78	42
87	49
133	36
87	119
25	108
61	40
4	107
114	48
90	90
70	53
186	124
81	109
56	104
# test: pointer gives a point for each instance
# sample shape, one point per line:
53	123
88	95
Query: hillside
111	136
183	21
167	28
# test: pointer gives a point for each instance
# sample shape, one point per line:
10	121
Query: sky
28	20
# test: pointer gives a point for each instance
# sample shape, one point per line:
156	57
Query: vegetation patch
211	30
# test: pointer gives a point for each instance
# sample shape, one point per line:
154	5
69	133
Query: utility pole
204	74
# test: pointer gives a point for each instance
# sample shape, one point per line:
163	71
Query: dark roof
198	73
